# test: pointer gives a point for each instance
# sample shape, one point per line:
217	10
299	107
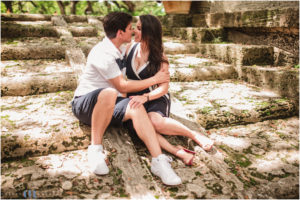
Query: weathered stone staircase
43	146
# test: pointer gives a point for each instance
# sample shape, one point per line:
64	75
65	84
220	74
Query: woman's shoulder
130	46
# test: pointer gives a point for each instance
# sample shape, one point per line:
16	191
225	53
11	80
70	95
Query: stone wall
238	6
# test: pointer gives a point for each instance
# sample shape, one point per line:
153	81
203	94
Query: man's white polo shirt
101	66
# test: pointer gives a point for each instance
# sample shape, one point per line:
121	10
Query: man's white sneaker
96	160
161	167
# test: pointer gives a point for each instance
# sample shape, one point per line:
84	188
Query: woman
144	59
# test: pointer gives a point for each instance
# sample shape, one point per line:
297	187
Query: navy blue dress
160	105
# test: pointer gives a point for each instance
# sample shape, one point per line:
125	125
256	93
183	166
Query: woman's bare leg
169	126
175	150
144	128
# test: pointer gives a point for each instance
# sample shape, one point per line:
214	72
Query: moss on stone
216	188
26	137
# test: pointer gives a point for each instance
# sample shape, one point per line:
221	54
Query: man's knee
108	94
108	97
157	121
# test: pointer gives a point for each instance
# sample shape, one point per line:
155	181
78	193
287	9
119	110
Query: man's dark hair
115	21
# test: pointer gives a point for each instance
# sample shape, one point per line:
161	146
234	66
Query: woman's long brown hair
152	36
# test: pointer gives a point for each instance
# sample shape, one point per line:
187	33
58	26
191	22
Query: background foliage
85	7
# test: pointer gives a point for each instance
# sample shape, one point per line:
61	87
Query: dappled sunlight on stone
264	93
274	166
173	45
238	144
33	23
256	132
189	60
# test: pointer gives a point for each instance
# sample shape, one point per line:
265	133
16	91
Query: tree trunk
43	9
89	10
107	5
8	5
73	7
20	5
61	7
115	2
130	6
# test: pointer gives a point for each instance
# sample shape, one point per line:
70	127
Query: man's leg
102	114
101	117
160	165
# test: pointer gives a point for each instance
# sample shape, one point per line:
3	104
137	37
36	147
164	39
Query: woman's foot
185	155
203	141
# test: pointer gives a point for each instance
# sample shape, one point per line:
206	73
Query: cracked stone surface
185	67
40	124
27	77
224	172
229	102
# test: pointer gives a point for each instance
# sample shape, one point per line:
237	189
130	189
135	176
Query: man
98	103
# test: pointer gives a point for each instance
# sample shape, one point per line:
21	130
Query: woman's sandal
189	162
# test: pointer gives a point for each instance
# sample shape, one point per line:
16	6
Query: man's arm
125	86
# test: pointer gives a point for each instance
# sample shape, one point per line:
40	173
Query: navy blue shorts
83	106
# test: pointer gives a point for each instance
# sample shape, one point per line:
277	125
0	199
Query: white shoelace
166	158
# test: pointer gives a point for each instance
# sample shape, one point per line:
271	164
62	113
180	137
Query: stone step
81	19
24	17
43	124
41	17
83	31
40	125
245	156
215	104
283	80
246	162
271	18
202	35
32	48
45	29
87	43
212	104
30	77
286	54
264	156
32	29
185	67
67	175
228	53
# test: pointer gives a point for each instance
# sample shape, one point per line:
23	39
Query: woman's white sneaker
96	160
161	167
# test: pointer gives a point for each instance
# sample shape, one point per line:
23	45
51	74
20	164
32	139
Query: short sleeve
107	67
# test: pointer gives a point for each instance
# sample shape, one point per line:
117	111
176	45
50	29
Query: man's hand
162	76
137	101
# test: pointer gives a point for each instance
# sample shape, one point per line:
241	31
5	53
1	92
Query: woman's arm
161	90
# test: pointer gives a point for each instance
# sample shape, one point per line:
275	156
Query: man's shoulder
99	51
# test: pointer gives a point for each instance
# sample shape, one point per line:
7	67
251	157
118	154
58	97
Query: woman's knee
157	121
136	112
